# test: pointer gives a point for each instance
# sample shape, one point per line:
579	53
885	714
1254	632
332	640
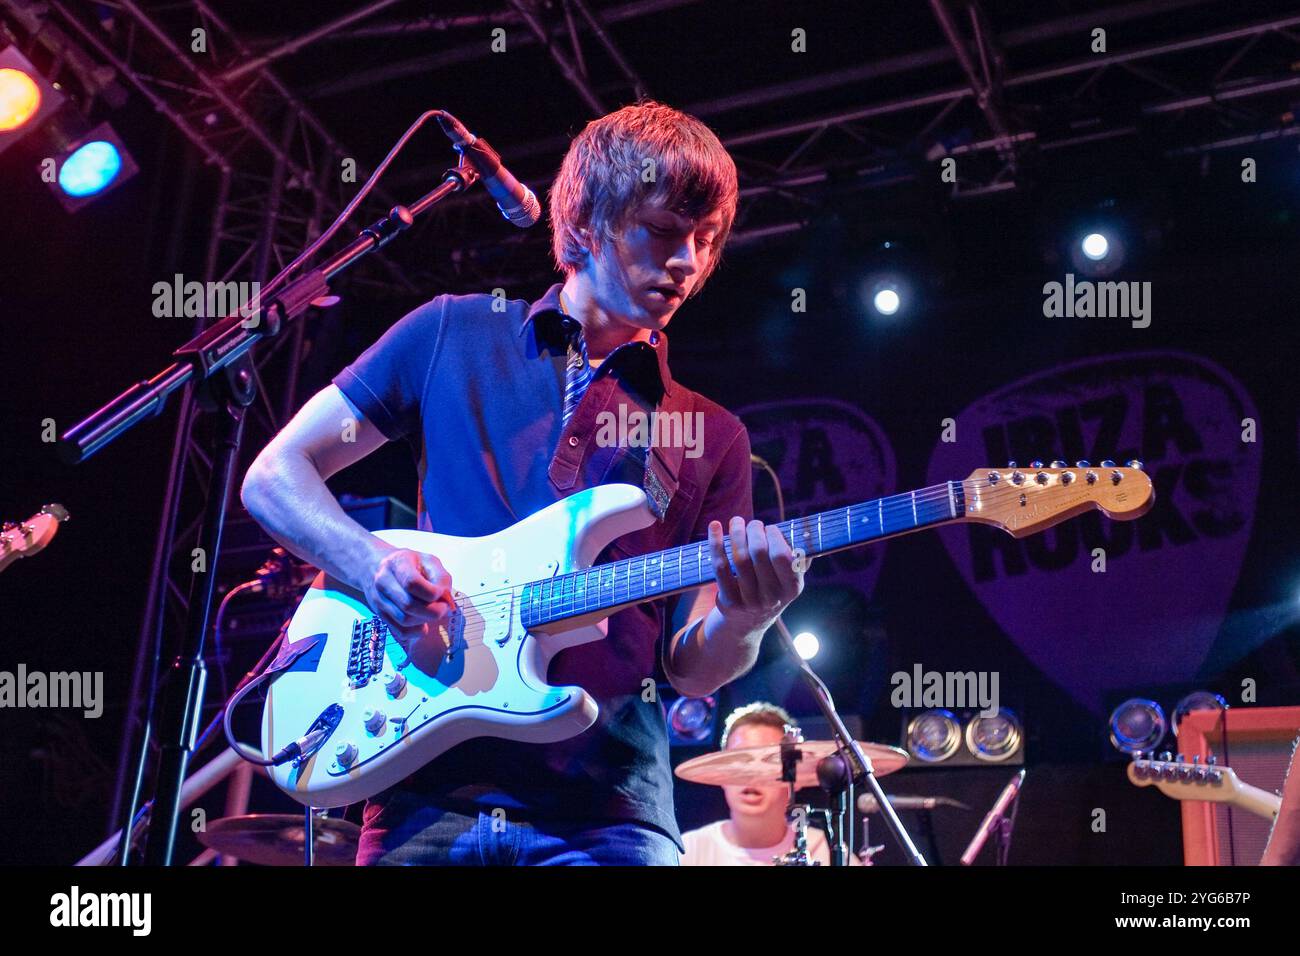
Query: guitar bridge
366	652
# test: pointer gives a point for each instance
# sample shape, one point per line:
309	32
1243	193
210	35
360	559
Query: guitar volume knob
394	683
346	754
374	719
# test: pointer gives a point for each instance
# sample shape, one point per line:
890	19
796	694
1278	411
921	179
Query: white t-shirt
709	846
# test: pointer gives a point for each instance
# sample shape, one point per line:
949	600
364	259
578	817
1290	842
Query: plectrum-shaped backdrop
1152	615
827	454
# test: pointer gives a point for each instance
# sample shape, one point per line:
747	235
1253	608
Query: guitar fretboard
650	576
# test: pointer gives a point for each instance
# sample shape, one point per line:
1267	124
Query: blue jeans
406	832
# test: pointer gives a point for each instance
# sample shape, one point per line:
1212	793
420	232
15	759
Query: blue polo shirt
475	385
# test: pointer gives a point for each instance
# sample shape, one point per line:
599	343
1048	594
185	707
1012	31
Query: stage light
20	98
94	165
994	739
1137	725
886	301
1095	246
90	169
807	645
933	735
692	720
27	99
1098	249
1197	700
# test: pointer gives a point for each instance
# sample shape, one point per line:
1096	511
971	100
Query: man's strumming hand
409	590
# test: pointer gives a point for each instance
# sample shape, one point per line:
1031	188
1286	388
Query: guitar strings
892	505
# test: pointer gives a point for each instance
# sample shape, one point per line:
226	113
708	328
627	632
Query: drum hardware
285	839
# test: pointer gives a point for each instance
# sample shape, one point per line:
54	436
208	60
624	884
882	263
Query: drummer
757	829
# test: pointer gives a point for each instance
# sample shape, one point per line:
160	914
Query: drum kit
279	839
795	763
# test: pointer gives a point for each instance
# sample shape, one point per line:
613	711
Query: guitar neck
648	576
1257	801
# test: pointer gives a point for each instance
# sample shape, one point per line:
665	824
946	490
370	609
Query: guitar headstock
22	540
1186	781
1024	501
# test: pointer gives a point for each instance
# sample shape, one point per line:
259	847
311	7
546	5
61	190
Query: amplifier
1256	743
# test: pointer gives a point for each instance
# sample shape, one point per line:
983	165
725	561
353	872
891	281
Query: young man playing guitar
500	403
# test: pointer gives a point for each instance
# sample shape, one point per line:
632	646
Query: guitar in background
1209	782
28	537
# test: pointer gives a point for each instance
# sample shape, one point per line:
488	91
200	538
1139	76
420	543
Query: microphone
869	804
515	200
994	815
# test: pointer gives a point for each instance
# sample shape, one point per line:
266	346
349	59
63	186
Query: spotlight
1098	249
886	301
27	99
1197	700
994	739
933	735
20	98
691	720
1137	725
95	164
807	645
1095	246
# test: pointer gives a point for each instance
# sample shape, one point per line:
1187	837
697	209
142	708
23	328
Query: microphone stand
860	772
857	769
216	361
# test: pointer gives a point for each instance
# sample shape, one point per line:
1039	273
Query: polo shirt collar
550	303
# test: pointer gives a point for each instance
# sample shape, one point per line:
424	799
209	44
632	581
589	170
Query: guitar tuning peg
1036	464
1166	757
1057	463
1012	464
1134	463
1211	760
1108	464
1083	463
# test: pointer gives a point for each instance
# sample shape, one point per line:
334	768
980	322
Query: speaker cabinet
1256	743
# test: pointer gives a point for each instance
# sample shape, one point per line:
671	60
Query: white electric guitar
1197	781
368	713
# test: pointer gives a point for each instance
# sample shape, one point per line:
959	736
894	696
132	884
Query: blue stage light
90	169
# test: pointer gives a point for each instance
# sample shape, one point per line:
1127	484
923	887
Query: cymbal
761	766
277	839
